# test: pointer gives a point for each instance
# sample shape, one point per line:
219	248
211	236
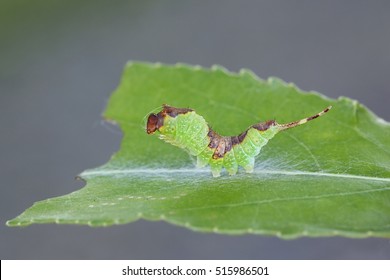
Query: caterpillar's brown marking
263	126
223	144
235	140
214	138
173	111
241	137
228	144
312	117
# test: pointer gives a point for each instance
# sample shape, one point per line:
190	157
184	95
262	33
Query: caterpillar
184	128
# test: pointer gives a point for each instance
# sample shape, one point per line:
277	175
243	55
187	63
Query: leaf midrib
159	171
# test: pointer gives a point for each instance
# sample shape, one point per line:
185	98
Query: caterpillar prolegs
184	128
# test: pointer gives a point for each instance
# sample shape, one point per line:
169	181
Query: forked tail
302	121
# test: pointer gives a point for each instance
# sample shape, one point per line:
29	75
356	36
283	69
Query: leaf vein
163	171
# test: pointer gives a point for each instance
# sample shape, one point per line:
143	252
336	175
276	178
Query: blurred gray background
60	60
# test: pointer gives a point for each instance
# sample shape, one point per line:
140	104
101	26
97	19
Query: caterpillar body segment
184	128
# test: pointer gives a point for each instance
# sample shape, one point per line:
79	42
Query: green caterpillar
184	128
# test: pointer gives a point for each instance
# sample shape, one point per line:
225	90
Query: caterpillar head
154	123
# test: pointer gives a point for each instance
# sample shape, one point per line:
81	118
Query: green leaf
328	177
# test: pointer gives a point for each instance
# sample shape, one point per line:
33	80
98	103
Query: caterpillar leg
204	158
201	161
216	166
230	163
232	170
243	159
250	164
